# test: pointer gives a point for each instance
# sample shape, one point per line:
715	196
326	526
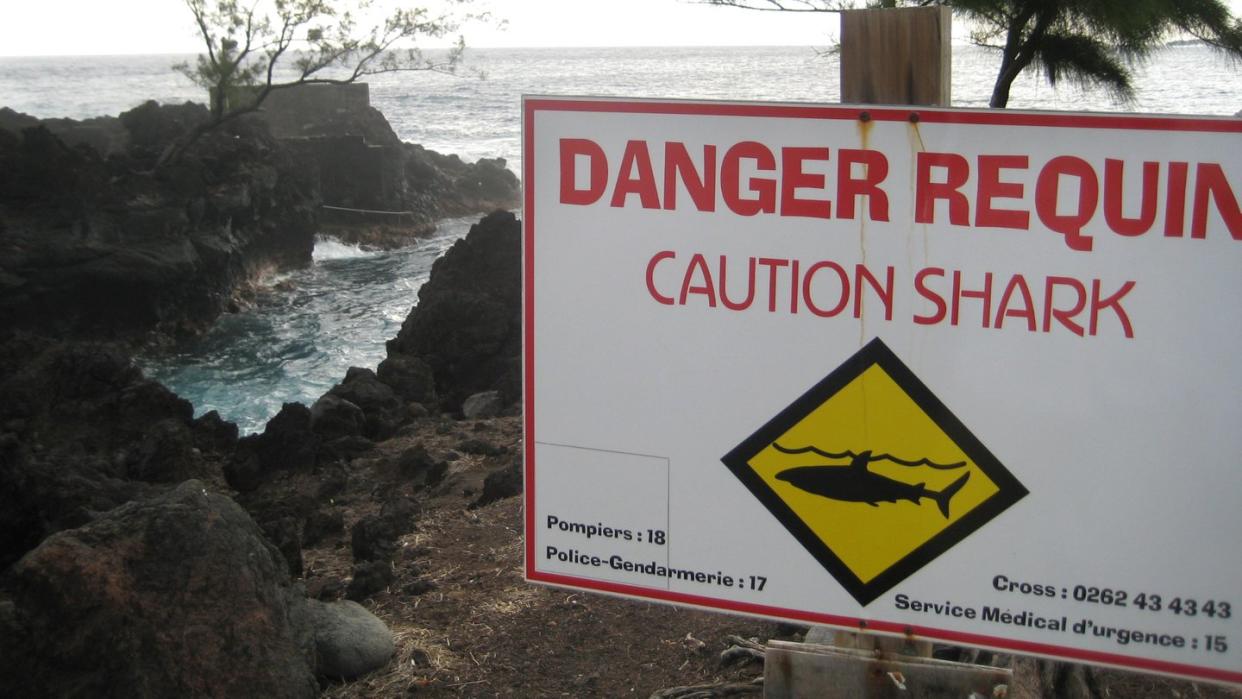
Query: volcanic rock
179	595
502	483
467	324
374	537
418	466
380	192
369	578
286	443
83	431
105	247
382	409
410	377
333	416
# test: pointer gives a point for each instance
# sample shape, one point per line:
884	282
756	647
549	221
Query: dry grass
482	631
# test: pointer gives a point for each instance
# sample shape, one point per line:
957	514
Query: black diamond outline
875	353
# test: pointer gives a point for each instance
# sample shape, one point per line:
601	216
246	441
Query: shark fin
943	497
860	462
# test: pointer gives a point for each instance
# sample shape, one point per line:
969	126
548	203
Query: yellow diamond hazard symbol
872	473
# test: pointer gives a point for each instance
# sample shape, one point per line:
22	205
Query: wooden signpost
888	56
896	56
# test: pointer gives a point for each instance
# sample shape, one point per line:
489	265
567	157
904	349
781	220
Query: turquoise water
303	331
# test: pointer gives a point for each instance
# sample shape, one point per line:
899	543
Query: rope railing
366	211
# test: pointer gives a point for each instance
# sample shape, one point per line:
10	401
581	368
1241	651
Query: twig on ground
742	649
711	691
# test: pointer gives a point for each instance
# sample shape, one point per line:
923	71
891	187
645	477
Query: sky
101	27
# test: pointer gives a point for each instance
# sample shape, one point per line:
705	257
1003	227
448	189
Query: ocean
479	117
312	324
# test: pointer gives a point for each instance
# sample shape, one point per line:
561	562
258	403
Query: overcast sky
91	27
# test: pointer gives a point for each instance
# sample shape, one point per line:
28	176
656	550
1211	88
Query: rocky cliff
466	328
376	189
95	244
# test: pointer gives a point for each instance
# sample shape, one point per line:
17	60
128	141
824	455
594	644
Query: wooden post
805	671
888	56
897	56
894	56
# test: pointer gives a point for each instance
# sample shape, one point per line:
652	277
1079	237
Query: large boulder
333	417
409	376
179	595
467	324
287	443
378	402
83	431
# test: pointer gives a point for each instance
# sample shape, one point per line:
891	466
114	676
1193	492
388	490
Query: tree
1086	42
256	47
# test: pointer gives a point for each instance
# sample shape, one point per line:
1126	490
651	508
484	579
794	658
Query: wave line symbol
811	449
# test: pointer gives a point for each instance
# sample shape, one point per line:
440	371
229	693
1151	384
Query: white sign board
971	375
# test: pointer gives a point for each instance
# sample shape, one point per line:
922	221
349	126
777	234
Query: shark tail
943	497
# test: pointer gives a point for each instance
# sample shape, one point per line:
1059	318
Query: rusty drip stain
865	126
862	300
917	146
918	133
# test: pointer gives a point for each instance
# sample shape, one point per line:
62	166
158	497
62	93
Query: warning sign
970	375
873	474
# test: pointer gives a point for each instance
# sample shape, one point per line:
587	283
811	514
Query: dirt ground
466	624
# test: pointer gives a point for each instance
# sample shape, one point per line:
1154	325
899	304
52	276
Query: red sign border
531	105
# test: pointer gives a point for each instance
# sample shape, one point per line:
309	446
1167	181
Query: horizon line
956	43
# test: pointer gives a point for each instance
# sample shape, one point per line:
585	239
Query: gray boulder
482	405
349	640
333	416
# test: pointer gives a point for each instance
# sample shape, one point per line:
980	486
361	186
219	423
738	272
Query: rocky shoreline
144	548
144	551
98	243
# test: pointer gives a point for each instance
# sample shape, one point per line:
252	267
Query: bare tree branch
249	47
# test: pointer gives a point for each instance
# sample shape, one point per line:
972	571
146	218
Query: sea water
307	327
477	112
304	329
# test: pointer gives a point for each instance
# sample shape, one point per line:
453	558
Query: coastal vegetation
1093	43
254	49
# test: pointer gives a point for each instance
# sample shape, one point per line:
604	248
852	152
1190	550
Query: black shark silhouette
854	483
